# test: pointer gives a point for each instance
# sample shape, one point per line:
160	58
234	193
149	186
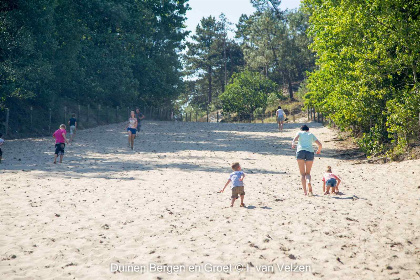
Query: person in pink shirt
60	140
331	181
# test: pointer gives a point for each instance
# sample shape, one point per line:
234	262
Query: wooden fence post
49	124
7	121
31	116
308	112
207	115
217	116
97	114
65	114
196	116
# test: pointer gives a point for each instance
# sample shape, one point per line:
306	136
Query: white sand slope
159	205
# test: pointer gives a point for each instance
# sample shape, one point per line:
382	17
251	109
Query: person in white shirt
131	129
280	116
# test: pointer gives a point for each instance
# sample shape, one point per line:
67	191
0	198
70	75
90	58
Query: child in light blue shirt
237	178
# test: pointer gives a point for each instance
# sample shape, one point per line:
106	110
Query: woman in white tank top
131	129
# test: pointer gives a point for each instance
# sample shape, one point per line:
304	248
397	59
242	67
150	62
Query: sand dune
159	205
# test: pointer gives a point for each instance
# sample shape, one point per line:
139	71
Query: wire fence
22	122
270	117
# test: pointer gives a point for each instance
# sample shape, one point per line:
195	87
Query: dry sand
159	204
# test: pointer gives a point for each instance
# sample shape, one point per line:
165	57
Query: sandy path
159	205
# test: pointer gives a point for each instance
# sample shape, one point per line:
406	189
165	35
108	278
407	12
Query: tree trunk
225	63
290	88
223	87
210	86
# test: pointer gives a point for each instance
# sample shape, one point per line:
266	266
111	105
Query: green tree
274	42
368	56
104	51
211	60
202	55
246	92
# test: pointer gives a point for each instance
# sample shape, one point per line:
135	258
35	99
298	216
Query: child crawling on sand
237	179
331	181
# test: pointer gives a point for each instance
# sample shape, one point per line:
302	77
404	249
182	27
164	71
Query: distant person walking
60	140
280	116
139	117
131	129
305	155
73	126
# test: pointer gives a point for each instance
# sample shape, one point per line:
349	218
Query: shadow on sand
160	139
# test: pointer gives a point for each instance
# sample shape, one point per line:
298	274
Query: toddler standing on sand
237	179
330	180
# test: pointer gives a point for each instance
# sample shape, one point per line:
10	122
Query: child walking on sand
60	140
331	181
237	179
1	143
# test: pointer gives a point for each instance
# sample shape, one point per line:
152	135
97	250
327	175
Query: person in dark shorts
73	126
237	179
60	140
139	117
1	144
305	155
131	129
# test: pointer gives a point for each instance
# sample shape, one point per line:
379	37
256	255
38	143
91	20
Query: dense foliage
271	42
275	43
246	92
367	68
99	51
211	60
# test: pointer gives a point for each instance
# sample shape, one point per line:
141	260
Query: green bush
247	92
366	76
